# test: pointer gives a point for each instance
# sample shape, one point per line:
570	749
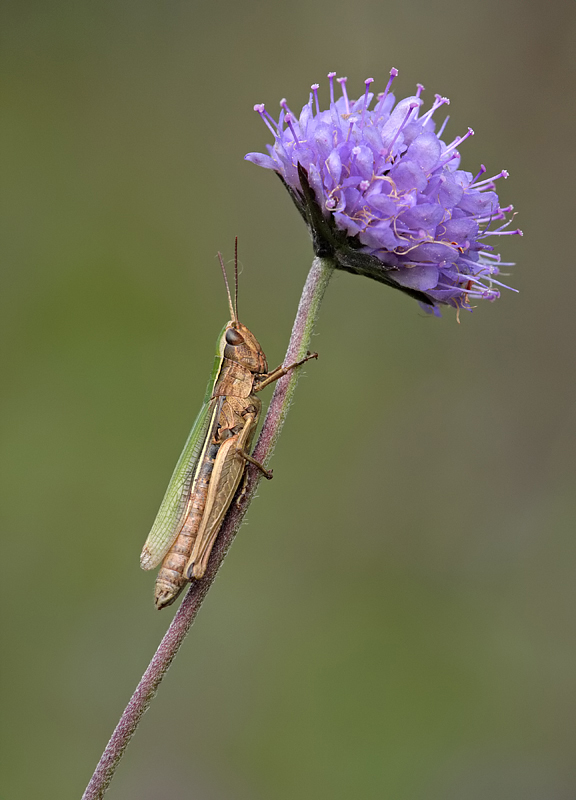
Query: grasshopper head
240	345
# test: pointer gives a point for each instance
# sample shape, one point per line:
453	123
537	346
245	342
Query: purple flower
383	195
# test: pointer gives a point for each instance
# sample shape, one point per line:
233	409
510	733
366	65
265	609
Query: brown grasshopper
214	458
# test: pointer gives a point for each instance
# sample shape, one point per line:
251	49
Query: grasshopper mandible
214	458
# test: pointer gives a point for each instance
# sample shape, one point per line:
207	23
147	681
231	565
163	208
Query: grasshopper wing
175	503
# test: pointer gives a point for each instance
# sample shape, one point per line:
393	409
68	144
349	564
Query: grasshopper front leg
280	371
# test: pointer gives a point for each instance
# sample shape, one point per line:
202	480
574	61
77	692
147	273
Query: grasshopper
214	458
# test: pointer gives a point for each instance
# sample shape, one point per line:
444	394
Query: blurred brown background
397	618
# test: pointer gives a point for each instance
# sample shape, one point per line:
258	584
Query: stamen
331	76
419	89
284	104
440	101
454	143
482	171
475	288
259	107
504	285
450	158
290	124
368	81
472	280
411	108
467	135
315	87
342	82
441	131
500	232
499	215
504	174
351	122
501	228
458	141
382	97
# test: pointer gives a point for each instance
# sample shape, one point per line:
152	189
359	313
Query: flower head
383	194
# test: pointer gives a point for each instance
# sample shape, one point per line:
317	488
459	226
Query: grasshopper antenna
236	275
232	312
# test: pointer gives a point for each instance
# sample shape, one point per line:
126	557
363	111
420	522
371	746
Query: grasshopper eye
233	337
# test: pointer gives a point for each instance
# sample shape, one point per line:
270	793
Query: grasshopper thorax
241	346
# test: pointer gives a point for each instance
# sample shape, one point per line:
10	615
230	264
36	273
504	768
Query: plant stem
299	344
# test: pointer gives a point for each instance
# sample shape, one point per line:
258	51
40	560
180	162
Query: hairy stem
299	344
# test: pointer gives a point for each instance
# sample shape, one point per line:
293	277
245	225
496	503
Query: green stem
300	340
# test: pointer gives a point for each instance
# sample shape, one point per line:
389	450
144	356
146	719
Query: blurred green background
397	618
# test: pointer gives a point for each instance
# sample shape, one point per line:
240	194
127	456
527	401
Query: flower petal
426	216
425	151
260	160
421	277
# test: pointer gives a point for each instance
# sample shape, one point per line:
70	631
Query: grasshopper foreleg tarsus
280	371
306	358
